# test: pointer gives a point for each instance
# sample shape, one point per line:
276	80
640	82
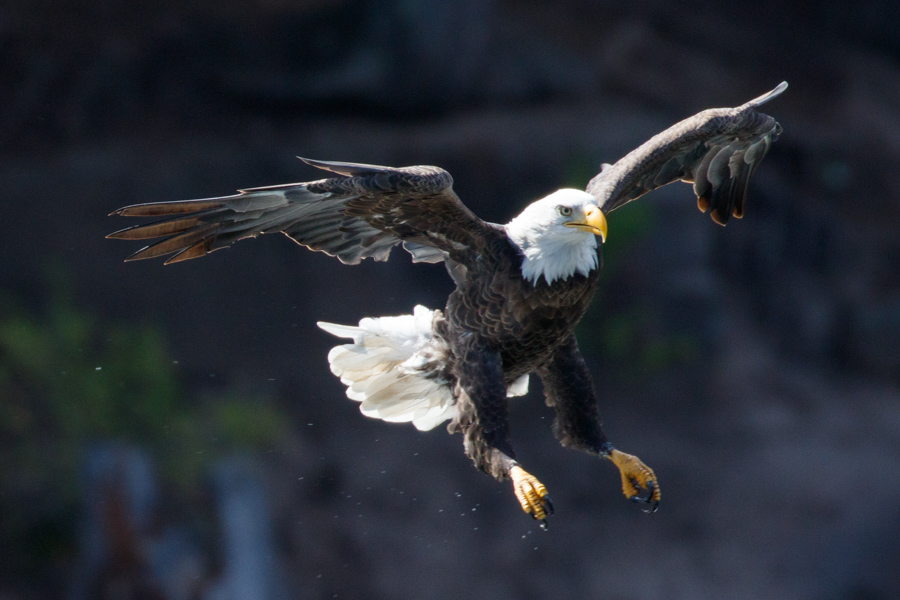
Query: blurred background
174	432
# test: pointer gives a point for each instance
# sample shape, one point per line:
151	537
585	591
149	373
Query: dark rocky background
174	432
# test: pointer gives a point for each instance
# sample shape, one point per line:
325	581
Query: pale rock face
552	250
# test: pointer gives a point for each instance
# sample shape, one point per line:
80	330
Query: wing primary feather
702	184
779	89
172	244
347	169
158	229
719	176
742	185
156	209
196	251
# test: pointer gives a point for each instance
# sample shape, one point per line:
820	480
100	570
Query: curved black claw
636	476
548	508
648	499
531	494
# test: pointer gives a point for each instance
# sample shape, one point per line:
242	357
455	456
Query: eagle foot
636	476
532	495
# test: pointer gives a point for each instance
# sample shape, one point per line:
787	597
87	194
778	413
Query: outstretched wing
363	213
717	150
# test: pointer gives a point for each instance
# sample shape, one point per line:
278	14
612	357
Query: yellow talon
635	476
532	494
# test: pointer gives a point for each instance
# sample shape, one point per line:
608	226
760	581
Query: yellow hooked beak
593	220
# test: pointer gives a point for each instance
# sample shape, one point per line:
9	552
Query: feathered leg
569	390
482	419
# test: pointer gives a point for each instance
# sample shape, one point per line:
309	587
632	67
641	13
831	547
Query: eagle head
557	235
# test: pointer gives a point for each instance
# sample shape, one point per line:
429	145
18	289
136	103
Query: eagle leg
569	390
635	477
482	419
532	495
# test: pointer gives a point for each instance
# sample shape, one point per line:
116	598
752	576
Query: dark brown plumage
520	288
717	150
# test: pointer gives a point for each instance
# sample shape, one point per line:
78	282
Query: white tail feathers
385	370
381	369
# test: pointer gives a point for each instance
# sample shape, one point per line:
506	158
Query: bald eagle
520	287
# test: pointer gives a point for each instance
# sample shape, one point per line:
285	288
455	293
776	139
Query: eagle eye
565	211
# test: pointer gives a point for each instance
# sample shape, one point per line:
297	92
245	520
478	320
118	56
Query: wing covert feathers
717	150
362	213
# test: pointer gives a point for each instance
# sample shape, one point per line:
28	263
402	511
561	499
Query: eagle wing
363	213
717	150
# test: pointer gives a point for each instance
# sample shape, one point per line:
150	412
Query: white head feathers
554	250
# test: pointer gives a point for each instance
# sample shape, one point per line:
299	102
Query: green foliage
608	328
216	427
87	379
629	332
628	339
68	379
249	424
